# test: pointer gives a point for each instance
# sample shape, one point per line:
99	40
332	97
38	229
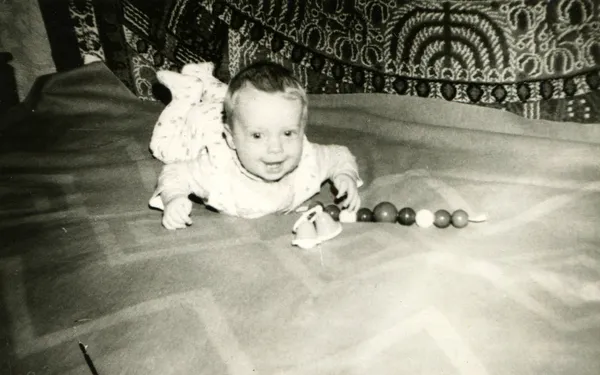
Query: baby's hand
177	213
346	185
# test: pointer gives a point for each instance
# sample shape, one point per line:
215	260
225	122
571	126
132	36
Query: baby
263	162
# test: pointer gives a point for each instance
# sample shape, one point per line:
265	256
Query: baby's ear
228	135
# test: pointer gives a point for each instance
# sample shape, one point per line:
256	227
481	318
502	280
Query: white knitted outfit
218	178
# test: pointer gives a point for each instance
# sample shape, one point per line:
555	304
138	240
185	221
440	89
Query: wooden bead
424	218
385	212
364	215
333	211
347	216
406	216
442	219
460	219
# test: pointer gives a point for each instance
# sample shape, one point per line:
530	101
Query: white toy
314	227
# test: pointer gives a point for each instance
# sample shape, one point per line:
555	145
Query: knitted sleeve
334	160
179	179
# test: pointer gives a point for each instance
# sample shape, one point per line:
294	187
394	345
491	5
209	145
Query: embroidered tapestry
539	59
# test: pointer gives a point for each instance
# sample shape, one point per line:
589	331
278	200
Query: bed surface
83	258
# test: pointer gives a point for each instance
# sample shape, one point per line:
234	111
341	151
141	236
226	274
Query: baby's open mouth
274	167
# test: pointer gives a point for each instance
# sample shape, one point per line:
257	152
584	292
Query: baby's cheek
298	146
297	155
252	150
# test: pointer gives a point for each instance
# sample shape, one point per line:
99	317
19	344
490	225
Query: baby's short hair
268	77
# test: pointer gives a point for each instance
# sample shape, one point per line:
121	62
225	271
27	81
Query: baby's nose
274	145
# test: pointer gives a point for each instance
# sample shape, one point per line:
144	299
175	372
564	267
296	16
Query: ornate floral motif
494	53
475	52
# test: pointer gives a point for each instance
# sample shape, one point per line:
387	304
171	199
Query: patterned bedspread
84	260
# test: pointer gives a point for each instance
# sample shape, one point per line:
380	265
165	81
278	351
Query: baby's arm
175	183
339	165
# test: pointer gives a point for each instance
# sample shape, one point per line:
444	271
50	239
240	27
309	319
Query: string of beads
387	212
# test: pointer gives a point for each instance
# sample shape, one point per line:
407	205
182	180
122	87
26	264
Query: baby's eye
289	133
256	135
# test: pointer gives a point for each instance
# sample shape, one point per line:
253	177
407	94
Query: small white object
308	215
347	216
314	227
305	243
424	218
478	218
307	218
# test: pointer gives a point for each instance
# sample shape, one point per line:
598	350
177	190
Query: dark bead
364	215
385	212
442	219
460	219
406	216
333	211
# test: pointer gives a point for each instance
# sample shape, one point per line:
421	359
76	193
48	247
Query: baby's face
267	133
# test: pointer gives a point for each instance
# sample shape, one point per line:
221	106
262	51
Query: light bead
347	216
424	218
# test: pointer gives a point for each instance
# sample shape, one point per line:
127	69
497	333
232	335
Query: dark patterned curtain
540	59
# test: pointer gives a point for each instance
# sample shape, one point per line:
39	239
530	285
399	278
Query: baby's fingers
349	196
176	219
183	215
353	201
342	188
350	202
357	202
170	224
